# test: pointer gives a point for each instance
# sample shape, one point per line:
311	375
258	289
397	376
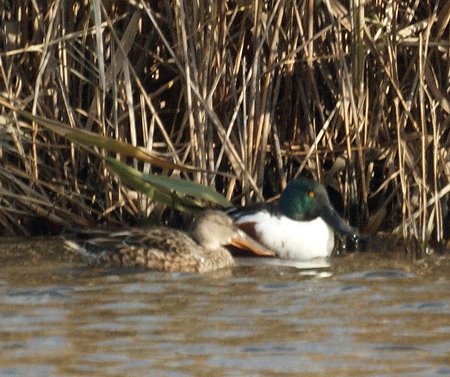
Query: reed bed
252	94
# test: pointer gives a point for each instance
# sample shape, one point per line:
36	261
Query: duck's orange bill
243	241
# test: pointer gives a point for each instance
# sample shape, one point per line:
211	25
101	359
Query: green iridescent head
305	200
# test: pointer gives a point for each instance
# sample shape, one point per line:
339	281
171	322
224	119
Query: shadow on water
359	315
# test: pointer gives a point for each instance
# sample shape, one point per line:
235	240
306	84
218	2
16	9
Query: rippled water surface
364	315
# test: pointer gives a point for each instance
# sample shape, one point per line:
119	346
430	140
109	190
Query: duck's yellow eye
311	194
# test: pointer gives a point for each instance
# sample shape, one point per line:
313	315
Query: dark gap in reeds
355	94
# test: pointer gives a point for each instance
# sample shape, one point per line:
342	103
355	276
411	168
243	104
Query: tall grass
354	94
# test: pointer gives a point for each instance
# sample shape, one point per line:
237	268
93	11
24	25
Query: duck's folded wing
236	213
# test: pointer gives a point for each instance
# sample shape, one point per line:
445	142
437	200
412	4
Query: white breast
292	239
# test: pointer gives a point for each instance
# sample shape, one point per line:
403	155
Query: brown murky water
363	315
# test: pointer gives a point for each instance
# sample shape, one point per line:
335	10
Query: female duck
167	249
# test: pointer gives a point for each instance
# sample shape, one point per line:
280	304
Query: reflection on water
360	316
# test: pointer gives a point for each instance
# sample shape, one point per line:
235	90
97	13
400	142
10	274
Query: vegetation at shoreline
238	96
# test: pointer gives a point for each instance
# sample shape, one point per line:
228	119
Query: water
364	315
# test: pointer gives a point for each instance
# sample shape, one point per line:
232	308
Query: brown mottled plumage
167	249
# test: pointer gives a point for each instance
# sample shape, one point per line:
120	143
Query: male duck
167	249
300	226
